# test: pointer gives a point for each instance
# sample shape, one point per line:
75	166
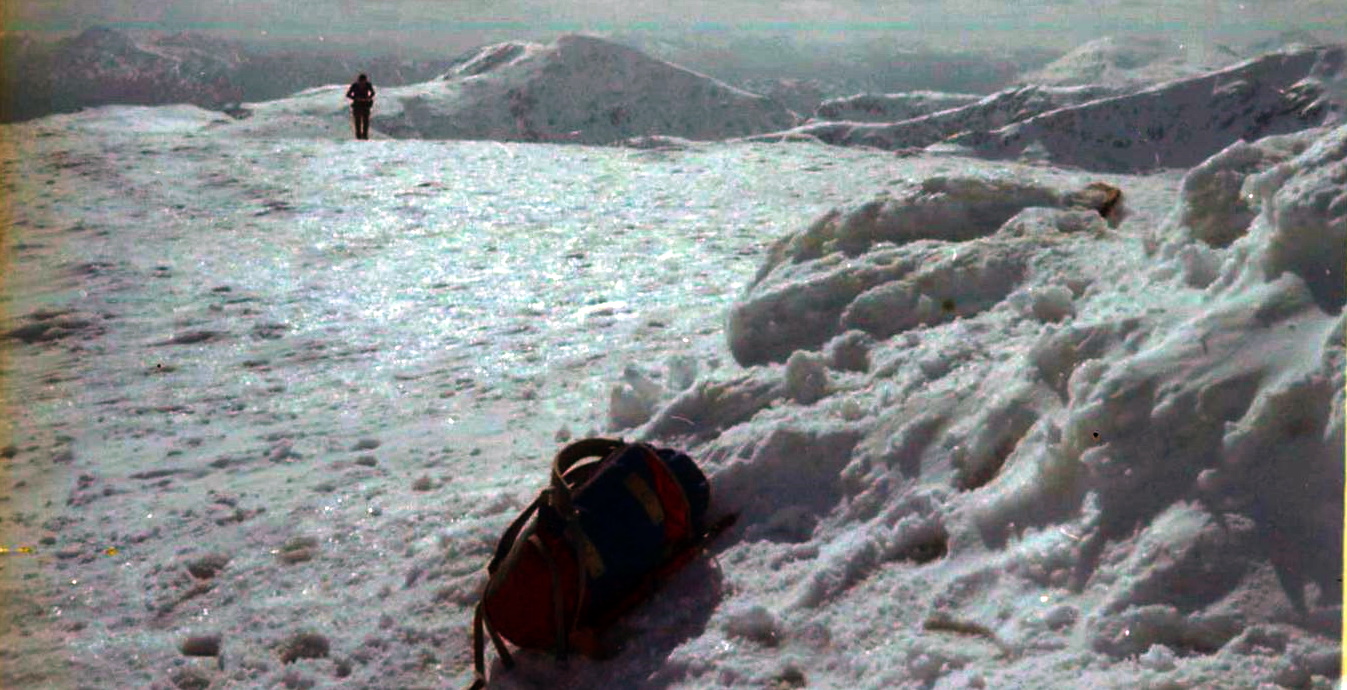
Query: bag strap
481	623
507	540
558	607
569	457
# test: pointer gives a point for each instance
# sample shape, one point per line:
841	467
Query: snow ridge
1115	128
579	89
1180	123
890	107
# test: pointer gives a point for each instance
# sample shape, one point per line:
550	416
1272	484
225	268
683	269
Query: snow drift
1138	458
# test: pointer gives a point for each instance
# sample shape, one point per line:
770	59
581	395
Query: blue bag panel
694	483
621	528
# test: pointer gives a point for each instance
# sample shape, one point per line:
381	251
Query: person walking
361	95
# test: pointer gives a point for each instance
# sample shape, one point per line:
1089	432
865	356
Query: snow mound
139	119
579	89
1254	212
923	255
1180	123
1080	463
891	107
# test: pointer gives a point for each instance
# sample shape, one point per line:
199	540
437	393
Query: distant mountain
996	110
870	62
1120	128
578	89
1131	61
103	66
1180	123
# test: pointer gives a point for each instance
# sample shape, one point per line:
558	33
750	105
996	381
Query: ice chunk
632	401
1309	221
1051	303
806	377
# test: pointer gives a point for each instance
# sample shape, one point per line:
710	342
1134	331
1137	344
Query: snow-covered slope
990	112
891	107
970	423
270	402
1175	124
1180	123
1129	62
578	89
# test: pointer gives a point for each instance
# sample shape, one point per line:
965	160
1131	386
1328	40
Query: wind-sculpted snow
1151	478
579	89
922	255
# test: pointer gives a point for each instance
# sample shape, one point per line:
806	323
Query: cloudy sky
1051	23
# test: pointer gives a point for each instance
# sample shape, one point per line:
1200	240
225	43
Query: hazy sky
1052	23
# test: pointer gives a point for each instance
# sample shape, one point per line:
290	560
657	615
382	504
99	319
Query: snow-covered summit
1130	61
1180	123
1174	124
577	89
489	57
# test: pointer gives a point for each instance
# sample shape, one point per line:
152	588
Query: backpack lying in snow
616	519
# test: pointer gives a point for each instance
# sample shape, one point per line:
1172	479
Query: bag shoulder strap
481	623
508	539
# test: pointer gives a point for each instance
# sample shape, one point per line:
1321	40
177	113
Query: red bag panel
519	605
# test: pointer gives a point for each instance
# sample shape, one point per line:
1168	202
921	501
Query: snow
1180	123
891	107
990	112
578	89
1114	128
980	429
1130	61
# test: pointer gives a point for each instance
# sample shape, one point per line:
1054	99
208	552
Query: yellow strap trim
585	550
641	490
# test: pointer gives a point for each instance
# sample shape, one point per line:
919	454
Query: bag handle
569	457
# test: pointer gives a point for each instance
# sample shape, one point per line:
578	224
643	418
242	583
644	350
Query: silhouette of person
361	94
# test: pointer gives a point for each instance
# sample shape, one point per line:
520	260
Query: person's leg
355	121
364	123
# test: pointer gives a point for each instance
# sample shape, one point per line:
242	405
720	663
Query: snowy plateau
273	394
